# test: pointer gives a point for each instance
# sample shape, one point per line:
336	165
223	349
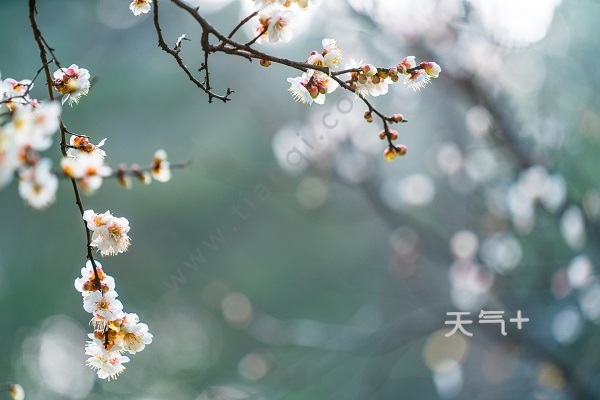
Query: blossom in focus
299	91
331	53
105	307
38	185
109	233
432	69
368	80
160	166
312	87
72	83
87	284
406	64
108	364
330	57
133	335
139	7
417	80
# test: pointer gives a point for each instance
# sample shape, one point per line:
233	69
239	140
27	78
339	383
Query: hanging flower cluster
115	331
27	127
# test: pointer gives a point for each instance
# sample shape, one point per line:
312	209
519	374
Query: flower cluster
366	79
25	131
109	233
85	162
115	331
72	83
313	85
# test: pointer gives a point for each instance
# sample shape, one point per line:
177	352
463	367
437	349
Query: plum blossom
15	91
417	80
406	64
331	53
115	331
139	7
312	87
133	335
88	168
34	127
16	391
160	166
108	364
72	83
87	284
38	185
330	56
275	25
109	232
103	306
81	145
432	69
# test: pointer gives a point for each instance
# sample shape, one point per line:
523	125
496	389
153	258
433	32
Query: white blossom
38	185
139	7
72	83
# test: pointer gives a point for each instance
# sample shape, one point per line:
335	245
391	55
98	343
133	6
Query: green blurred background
334	278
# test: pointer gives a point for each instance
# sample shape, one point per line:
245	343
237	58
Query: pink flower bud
369	70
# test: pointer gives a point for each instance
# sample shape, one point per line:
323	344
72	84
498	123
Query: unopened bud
122	177
368	116
389	154
401	150
265	63
397	118
369	70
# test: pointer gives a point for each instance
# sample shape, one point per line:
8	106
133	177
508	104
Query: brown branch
163	45
242	23
42	45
